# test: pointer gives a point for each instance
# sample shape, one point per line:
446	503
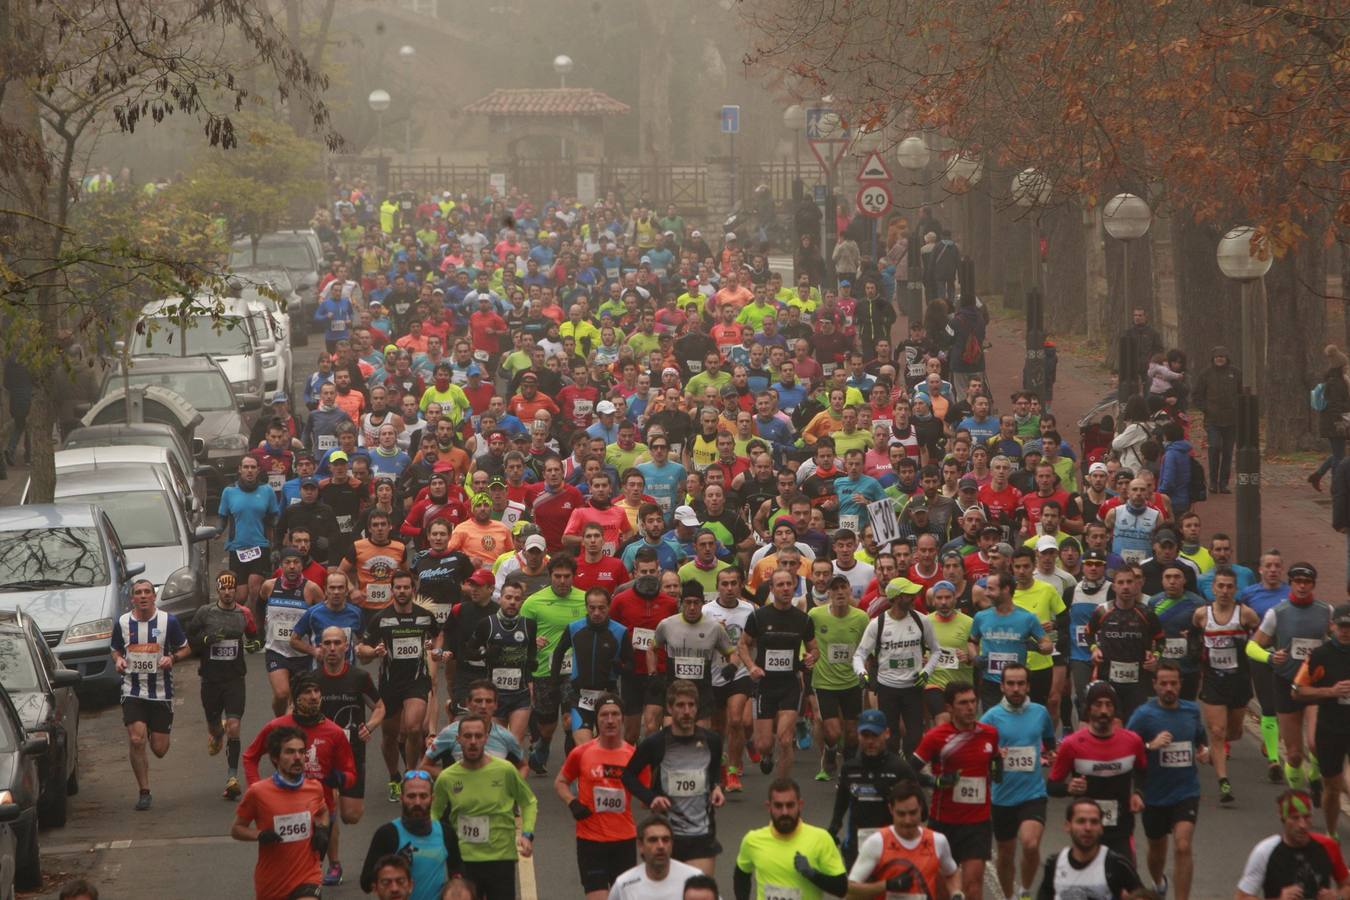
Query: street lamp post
379	101
794	120
828	126
913	155
962	172
1244	256
562	64
1126	218
408	53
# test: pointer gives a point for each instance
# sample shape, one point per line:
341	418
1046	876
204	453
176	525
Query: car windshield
51	557
123	440
206	391
227	336
18	671
142	518
292	254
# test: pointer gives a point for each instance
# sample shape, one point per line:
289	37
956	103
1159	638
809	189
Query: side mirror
35	746
251	403
204	533
66	678
81	409
199	450
134	569
202	471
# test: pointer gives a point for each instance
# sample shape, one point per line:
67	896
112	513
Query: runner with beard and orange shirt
481	538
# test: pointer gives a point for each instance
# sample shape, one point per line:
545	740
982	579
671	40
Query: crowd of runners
565	468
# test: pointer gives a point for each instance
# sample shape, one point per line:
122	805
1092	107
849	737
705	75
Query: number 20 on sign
874	200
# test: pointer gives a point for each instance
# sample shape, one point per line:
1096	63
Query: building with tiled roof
542	102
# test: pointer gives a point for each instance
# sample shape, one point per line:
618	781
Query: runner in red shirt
640	609
960	754
602	806
594	567
1045	492
577	401
291	822
999	498
551	503
486	327
601	511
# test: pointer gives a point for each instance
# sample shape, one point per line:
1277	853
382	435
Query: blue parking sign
731	119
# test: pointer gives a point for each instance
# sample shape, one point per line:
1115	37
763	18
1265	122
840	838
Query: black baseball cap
1094	556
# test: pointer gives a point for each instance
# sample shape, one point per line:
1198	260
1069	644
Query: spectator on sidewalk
1336	388
1216	395
1340	508
1134	431
1175	479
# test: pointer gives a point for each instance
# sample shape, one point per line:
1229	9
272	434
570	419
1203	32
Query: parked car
273	345
43	691
189	489
20	787
63	564
284	307
195	385
152	527
229	335
152	434
298	252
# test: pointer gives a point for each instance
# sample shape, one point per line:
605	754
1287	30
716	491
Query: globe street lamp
794	120
1244	256
1126	217
912	153
379	101
407	53
562	64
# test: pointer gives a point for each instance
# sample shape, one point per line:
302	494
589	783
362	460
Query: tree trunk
656	66
1208	304
1296	321
1119	304
979	245
1066	271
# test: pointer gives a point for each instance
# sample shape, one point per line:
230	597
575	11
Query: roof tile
547	102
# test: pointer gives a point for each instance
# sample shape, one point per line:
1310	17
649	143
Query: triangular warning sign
874	168
828	153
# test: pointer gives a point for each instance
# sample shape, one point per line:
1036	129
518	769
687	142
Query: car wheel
73	780
52	803
28	866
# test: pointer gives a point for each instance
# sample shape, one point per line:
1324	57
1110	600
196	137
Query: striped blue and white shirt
143	643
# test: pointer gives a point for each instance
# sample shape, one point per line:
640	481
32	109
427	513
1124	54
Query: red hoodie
327	750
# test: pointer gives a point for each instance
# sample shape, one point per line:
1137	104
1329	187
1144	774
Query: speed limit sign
874	200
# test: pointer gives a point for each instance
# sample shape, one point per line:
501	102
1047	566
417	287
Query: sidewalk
1294	518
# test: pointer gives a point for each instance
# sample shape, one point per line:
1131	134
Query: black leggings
903	708
1263	683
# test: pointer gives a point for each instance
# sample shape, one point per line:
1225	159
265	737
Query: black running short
1008	820
845	704
773	697
967	840
156	714
223	699
600	863
1159	820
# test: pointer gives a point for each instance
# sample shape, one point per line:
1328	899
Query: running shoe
1226	791
232	789
733	781
252	646
766	764
830	762
751	752
1161	886
1274	772
333	877
537	765
803	736
395	791
143	801
214	742
822	775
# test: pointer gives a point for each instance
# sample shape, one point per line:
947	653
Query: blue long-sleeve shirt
1175	479
336	316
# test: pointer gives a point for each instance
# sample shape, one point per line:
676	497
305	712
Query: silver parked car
63	564
143	505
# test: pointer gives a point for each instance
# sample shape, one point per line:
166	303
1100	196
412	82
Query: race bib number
1301	648
643	637
440	612
901	662
1223	658
1123	672
687	783
344	524
779	660
336	325
406	648
828	368
566	664
143	659
1174	648
690	667
1080	636
506	679
1019	759
779	892
582	409
510	516
275	480
839	653
1176	755
1110	812
1132	556
850	522
379	593
694	365
249	554
225	650
664	503
998	660
473	830
609	800
588	698
916	370
292	827
969	789
280	622
325	442
947	659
